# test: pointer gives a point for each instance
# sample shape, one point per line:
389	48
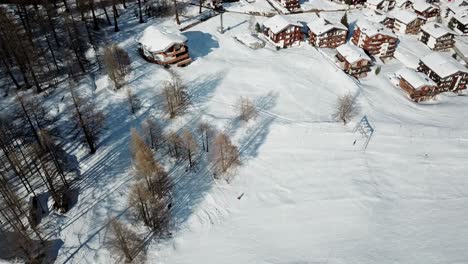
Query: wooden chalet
379	17
404	4
282	31
381	5
437	37
291	5
426	10
163	47
375	39
416	85
325	34
353	60
460	22
455	7
407	22
445	71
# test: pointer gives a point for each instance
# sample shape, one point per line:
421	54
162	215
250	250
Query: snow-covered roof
320	26
400	3
376	16
436	30
155	39
404	16
414	78
352	53
462	17
461	46
458	5
278	23
371	28
421	6
374	2
442	64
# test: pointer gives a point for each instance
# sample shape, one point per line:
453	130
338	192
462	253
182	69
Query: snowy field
309	194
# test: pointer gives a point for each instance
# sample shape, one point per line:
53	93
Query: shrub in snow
377	70
346	108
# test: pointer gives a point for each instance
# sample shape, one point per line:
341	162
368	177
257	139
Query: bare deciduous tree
151	132
133	101
346	108
226	154
175	96
89	119
174	144
148	168
247	109
117	64
190	146
205	130
125	242
153	211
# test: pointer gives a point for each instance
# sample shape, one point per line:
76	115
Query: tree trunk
116	15
176	12
107	15
139	12
8	70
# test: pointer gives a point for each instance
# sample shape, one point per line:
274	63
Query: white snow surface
371	28
279	23
310	193
157	39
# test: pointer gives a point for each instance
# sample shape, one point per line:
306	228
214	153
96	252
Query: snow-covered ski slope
309	194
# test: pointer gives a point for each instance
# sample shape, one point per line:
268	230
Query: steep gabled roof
371	28
443	64
421	6
414	78
436	30
404	16
278	23
320	26
462	17
352	53
156	39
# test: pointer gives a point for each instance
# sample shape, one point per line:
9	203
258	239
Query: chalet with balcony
407	22
445	71
459	23
381	5
291	5
404	4
426	10
455	7
375	39
416	85
380	17
437	37
353	60
164	47
325	34
282	32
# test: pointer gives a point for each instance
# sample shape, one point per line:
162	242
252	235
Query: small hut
164	47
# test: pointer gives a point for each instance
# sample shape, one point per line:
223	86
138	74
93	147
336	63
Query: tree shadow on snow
200	43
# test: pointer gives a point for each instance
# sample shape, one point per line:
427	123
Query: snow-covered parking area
308	192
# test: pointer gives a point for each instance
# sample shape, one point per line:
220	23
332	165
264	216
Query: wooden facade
419	94
285	38
357	69
177	54
330	39
430	13
380	44
442	43
290	4
452	83
459	25
412	28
